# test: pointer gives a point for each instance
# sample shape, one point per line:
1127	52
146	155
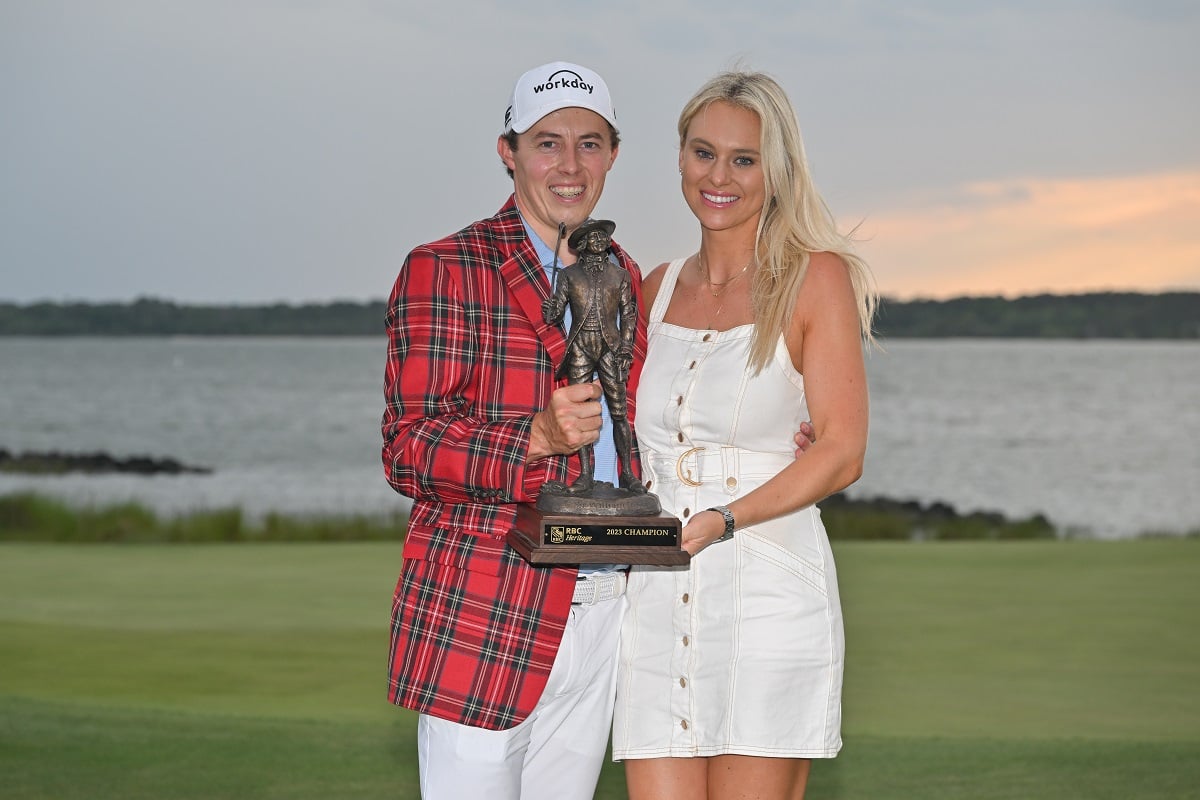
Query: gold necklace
723	285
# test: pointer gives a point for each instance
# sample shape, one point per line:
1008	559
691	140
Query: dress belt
715	463
596	587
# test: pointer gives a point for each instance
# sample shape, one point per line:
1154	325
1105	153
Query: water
1101	437
287	425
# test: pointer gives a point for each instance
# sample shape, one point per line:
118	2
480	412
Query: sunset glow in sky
248	151
1025	236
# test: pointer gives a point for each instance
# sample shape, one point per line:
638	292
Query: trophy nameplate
548	538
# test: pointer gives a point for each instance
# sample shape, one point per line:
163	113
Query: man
510	666
605	320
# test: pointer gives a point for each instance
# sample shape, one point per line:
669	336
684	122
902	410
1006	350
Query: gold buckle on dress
686	479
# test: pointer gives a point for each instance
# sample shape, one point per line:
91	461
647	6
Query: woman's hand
805	438
702	530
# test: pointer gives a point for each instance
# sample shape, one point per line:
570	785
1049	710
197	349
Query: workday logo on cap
553	86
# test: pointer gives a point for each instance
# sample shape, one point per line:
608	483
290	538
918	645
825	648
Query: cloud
1025	236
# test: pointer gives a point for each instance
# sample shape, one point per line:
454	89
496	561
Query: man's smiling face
559	166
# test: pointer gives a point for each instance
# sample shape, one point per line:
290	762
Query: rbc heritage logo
557	534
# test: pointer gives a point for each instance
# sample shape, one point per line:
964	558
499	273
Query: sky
260	151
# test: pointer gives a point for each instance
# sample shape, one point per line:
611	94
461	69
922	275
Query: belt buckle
685	476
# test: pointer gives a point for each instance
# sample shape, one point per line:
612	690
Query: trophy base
557	538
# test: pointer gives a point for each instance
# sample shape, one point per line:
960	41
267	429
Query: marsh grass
31	517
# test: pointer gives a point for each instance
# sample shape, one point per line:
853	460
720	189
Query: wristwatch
728	515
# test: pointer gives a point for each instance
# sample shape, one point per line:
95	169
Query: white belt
725	465
598	586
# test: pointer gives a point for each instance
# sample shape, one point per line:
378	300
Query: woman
731	668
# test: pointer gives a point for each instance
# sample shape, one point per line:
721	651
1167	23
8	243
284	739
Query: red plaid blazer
474	627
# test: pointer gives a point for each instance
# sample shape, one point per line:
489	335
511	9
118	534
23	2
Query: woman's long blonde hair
795	221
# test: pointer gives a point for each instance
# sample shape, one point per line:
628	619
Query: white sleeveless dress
742	650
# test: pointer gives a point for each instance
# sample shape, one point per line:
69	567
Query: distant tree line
1108	315
151	317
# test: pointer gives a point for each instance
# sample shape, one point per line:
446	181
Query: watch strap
729	521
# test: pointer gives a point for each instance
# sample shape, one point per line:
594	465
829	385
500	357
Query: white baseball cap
552	86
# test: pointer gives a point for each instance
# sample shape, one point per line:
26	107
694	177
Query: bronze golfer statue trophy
590	522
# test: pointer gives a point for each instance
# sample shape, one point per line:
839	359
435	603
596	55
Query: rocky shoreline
54	462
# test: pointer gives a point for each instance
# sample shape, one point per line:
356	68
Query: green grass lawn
1032	670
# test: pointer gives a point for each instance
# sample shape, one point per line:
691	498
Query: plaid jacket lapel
526	280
